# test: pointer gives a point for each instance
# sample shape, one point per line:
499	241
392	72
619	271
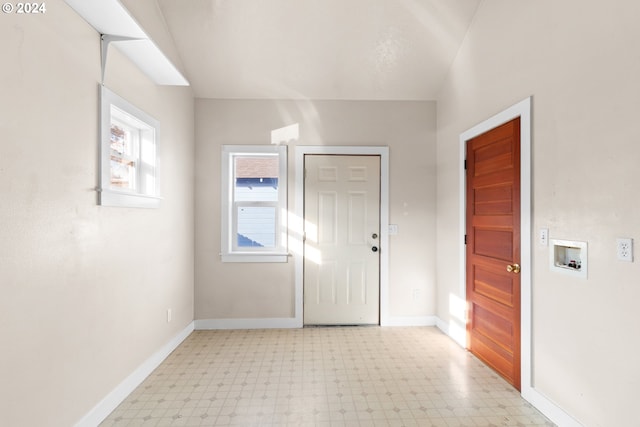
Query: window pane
256	178
128	154
256	226
123	164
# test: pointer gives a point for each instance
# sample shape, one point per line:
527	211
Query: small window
128	155
254	205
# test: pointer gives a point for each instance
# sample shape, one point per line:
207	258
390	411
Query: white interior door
342	235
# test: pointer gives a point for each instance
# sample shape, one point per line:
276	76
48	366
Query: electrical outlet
625	249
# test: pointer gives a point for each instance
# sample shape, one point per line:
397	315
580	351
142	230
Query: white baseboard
269	323
548	408
286	323
111	401
411	321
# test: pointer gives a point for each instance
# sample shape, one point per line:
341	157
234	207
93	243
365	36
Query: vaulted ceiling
318	49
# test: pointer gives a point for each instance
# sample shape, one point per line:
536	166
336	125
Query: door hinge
465	164
304	236
465	239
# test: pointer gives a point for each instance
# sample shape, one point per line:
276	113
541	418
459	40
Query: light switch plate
543	237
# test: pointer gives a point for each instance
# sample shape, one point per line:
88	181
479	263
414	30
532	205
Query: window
254	203
128	155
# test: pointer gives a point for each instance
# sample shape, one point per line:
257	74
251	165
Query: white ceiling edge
112	18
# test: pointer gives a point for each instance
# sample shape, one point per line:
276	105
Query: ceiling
318	49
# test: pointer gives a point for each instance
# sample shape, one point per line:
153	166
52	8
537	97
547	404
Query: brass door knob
513	268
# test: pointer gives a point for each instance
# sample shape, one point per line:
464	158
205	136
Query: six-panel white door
342	229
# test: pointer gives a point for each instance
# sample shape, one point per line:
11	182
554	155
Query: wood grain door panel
491	283
493	243
494	200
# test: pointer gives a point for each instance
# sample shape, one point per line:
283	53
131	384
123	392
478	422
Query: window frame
230	252
146	190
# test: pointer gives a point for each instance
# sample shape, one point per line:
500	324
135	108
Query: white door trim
523	110
296	222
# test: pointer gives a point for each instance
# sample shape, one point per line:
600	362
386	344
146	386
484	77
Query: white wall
579	60
83	289
238	291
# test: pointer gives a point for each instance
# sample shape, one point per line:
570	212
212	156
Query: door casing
296	225
523	110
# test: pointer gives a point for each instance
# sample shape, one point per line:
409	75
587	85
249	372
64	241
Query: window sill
130	200
253	257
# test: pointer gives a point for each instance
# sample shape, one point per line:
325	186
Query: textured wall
83	289
267	290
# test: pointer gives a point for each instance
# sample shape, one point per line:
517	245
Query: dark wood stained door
493	249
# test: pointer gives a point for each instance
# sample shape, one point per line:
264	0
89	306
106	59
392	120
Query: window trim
228	225
149	130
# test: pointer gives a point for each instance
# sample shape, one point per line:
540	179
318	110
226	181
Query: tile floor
336	376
